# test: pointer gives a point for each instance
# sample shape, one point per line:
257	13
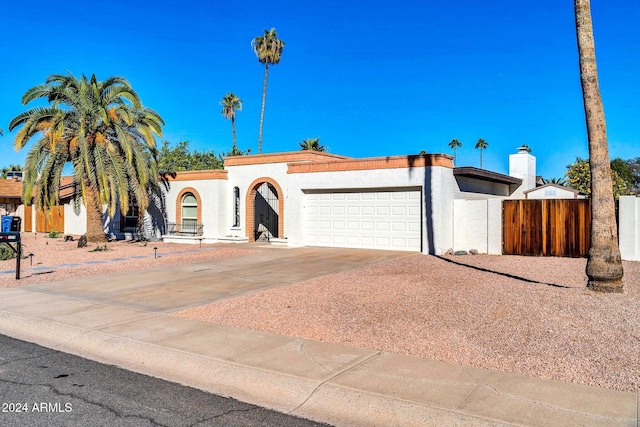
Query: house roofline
485	175
388	162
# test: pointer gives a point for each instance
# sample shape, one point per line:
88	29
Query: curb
321	401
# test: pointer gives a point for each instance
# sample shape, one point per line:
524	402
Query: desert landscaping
526	315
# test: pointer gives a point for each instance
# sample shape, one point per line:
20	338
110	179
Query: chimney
523	165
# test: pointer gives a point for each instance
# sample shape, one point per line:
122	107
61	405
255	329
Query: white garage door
366	219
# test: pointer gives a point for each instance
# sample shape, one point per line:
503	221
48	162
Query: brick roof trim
372	163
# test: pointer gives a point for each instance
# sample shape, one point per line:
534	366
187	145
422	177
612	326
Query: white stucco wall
211	198
478	225
242	177
437	198
629	235
75	224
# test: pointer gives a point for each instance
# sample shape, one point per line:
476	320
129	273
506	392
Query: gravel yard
50	256
525	315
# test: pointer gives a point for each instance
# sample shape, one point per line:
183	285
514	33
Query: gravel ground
49	254
524	315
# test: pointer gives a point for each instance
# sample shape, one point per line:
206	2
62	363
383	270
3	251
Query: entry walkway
123	320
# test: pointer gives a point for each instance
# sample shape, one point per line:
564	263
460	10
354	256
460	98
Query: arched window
189	213
236	207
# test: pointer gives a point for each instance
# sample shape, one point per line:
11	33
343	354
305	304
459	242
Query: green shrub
54	234
7	253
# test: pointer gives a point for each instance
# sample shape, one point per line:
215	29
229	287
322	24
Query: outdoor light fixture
30	260
155	252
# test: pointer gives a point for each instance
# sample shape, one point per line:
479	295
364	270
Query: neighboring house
10	195
553	191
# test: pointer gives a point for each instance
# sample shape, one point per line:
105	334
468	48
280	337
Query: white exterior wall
437	199
212	203
478	225
242	177
629	236
75	224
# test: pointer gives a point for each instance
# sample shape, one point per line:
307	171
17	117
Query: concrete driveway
176	287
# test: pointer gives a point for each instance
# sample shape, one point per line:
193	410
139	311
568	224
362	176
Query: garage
372	219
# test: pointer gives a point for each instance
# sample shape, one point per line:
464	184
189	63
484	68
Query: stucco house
415	203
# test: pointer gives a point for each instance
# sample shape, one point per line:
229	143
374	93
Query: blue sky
370	78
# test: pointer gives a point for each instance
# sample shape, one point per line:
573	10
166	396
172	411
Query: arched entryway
265	210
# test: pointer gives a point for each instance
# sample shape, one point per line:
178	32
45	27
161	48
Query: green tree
624	172
180	158
311	144
634	167
604	264
579	178
102	129
455	144
230	104
268	48
481	145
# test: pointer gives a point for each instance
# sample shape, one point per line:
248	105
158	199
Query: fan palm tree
557	181
481	145
604	264
268	48
230	103
455	144
311	144
103	130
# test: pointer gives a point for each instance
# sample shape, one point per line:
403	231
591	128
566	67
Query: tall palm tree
311	144
455	144
268	48
604	264
481	145
230	103
103	130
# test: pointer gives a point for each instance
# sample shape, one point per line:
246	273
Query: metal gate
266	215
546	227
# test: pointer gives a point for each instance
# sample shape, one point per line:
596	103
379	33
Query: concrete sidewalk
123	320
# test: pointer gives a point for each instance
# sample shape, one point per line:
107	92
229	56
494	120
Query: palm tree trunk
264	100
604	264
233	131
95	226
481	158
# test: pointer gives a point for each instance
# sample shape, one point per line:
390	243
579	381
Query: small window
236	207
189	212
130	218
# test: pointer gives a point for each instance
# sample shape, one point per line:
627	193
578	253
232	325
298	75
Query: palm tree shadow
511	276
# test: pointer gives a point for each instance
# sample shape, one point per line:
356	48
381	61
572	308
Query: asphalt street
48	388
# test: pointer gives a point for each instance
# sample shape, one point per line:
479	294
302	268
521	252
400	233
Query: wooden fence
45	222
547	227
